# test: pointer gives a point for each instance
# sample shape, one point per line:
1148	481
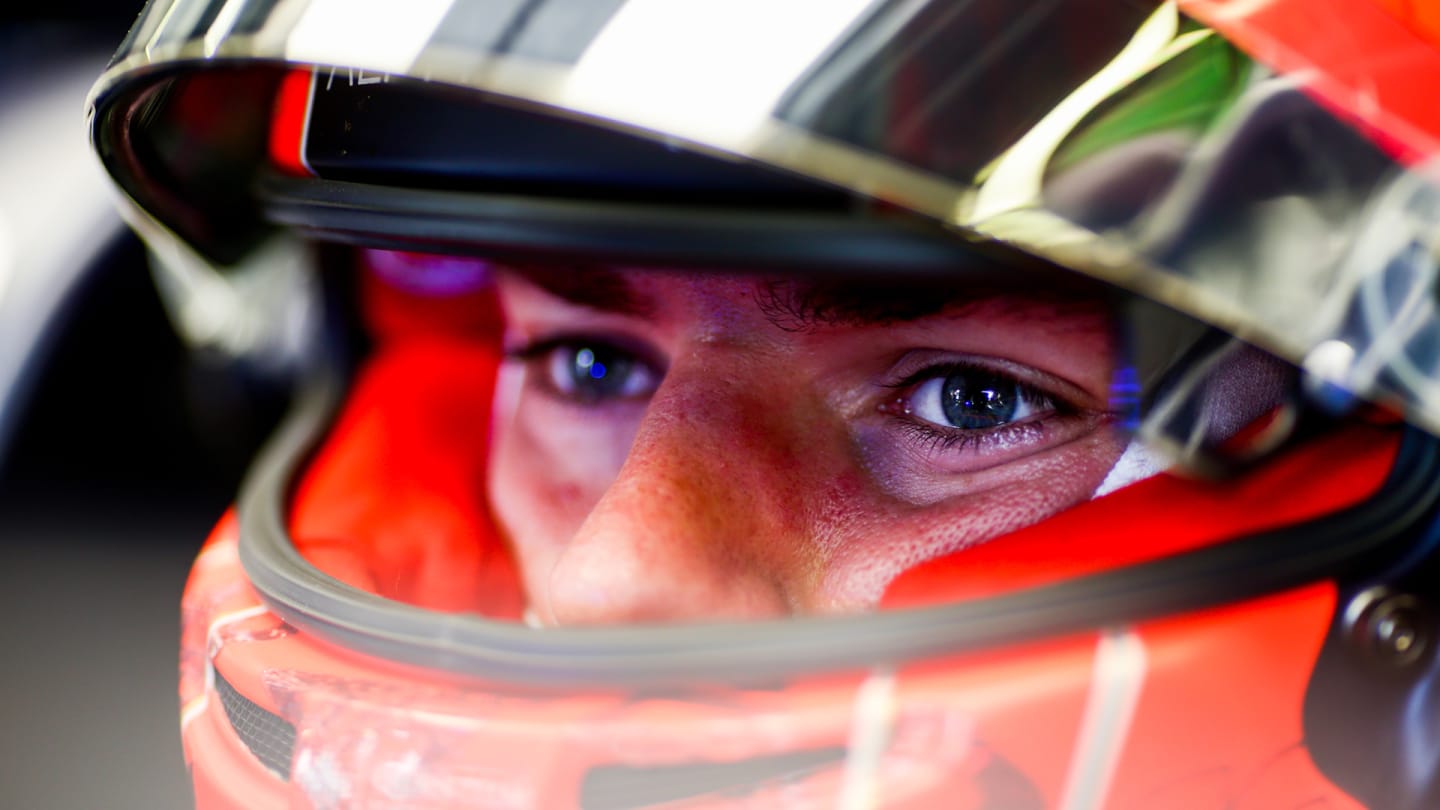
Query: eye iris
597	373
974	400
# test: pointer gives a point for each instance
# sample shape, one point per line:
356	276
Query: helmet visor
1266	181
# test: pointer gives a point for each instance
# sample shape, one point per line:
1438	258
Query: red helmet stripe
292	119
1358	58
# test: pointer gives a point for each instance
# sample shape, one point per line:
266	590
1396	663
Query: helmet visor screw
1392	628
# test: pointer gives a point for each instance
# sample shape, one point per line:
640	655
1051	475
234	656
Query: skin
766	459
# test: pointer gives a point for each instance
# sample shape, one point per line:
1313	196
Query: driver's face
675	447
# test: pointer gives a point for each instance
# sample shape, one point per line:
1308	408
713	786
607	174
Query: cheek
874	539
547	470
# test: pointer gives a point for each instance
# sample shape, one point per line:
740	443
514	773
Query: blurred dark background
122	451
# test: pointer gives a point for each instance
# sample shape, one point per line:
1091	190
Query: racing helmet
1225	212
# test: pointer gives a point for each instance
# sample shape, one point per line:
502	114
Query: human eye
588	370
968	398
953	406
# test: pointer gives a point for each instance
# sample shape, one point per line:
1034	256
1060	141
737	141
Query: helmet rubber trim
610	232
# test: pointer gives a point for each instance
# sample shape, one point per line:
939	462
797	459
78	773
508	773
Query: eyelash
535	349
937	438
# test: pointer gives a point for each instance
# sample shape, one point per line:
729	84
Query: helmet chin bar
1360	541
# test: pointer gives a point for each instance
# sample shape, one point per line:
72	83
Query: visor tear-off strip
872	722
1119	677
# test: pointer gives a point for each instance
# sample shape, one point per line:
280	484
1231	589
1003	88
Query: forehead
810	303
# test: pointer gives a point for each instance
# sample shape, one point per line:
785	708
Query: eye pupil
973	400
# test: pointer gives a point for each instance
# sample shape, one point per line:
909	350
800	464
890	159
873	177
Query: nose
694	526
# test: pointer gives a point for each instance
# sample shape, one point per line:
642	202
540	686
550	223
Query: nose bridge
689	529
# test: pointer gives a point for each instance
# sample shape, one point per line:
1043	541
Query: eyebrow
591	286
806	305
